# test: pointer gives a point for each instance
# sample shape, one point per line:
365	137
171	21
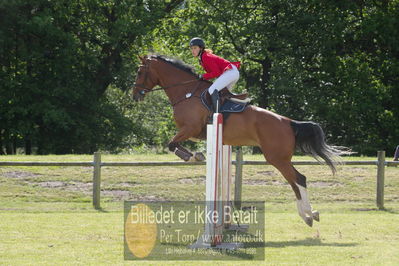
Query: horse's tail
310	139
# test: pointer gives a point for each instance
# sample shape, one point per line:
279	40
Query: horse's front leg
183	153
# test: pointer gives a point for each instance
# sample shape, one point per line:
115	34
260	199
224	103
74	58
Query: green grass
46	214
364	238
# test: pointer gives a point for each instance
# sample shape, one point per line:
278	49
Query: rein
146	90
188	95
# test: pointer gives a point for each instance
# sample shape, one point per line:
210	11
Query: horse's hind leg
303	204
298	184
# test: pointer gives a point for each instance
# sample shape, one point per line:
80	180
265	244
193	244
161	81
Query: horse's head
146	78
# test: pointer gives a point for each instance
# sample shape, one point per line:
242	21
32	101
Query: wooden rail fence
239	163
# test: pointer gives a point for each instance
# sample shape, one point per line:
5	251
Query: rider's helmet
197	41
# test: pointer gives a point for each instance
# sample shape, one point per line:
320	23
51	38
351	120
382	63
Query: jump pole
218	188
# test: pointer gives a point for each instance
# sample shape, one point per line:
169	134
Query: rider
225	72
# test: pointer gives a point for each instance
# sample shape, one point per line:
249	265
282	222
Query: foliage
332	62
63	62
151	120
58	59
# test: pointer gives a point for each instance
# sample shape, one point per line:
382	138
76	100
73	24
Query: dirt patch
364	209
52	184
359	178
86	188
357	170
192	180
325	184
261	182
80	186
126	184
117	194
148	198
267	173
19	174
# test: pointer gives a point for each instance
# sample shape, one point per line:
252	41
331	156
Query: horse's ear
141	58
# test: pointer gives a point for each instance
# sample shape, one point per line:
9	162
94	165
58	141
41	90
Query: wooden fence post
380	179
238	178
96	180
396	156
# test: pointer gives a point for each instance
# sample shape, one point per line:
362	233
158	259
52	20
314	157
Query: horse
277	136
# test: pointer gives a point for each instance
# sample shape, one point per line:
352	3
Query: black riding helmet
198	42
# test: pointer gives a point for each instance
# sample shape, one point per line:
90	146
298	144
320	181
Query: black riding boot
215	101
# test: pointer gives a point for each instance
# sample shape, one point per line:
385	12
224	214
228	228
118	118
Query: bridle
142	85
145	89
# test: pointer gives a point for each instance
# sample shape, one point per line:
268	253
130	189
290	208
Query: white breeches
228	79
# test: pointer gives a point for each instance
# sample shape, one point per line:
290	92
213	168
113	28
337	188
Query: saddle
229	102
226	94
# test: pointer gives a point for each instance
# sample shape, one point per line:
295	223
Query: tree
332	62
59	57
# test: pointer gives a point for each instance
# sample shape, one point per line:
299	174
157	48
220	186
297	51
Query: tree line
67	68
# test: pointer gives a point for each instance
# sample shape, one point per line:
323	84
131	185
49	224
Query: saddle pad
231	106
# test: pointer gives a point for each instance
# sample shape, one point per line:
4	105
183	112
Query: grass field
46	215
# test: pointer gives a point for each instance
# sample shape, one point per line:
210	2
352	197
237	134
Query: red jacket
215	65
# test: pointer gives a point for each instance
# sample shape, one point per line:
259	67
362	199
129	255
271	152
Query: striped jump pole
218	188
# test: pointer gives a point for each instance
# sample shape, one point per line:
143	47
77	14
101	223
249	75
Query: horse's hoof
192	159
316	216
199	157
309	221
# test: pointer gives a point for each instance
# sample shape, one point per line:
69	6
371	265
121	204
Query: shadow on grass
101	210
305	242
388	210
275	244
238	254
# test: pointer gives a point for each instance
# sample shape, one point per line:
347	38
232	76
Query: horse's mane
177	63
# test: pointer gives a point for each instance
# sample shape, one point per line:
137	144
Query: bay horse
276	135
